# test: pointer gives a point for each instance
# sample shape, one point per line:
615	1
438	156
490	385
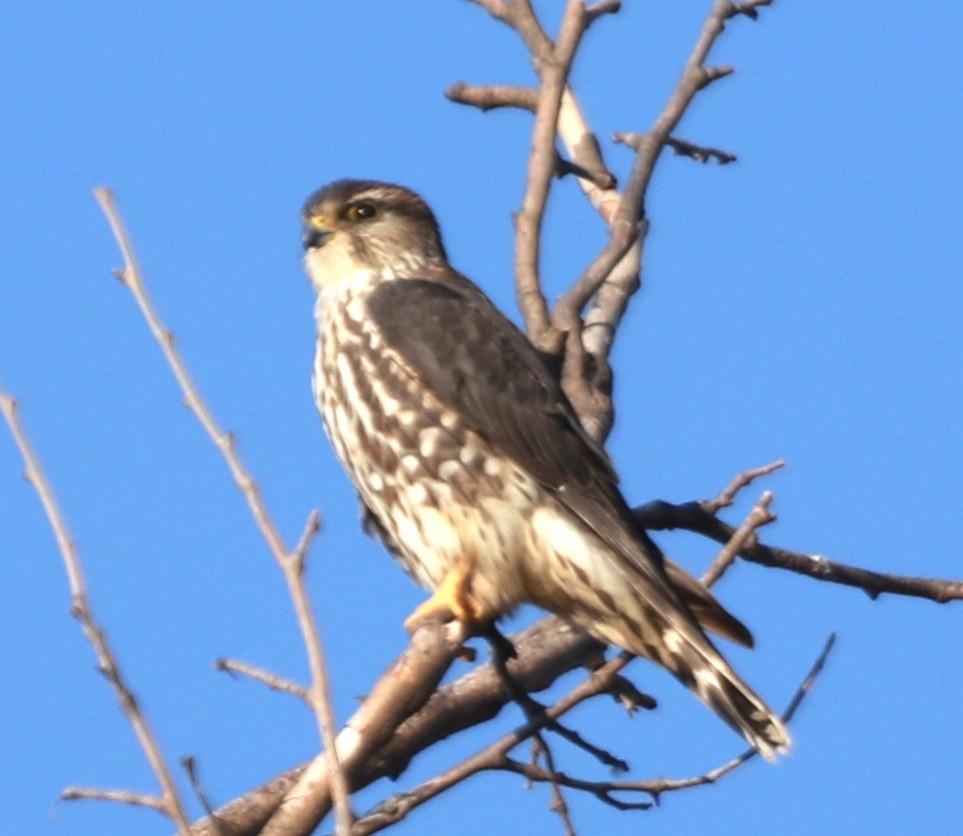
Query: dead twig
272	680
700	153
291	563
169	802
189	763
741	480
608	791
759	516
134	799
692	516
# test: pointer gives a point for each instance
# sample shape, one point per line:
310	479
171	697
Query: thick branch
492	756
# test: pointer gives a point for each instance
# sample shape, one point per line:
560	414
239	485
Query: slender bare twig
189	762
700	153
701	518
291	563
741	480
553	66
541	750
758	516
691	516
169	801
552	63
682	148
532	708
272	680
135	799
607	791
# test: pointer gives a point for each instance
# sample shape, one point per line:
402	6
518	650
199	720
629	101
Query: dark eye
361	211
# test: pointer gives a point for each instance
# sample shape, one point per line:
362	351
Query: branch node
710	74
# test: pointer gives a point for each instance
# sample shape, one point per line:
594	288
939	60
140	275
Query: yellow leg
452	597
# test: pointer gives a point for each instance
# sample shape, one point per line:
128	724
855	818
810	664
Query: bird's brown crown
376	222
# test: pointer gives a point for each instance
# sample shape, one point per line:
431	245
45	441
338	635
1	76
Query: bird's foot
453	599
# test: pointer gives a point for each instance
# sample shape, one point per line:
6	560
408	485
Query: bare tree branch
609	791
700	517
169	801
134	799
610	288
491	757
193	775
272	680
399	693
614	276
552	63
700	153
291	563
759	516
493	96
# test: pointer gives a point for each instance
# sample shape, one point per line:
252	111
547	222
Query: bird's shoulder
478	363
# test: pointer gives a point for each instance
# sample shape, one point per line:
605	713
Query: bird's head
355	224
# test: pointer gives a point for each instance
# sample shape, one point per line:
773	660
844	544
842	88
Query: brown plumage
471	463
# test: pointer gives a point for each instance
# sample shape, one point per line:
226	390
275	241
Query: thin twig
272	680
189	762
691	516
169	802
534	710
700	153
291	563
758	516
606	790
552	63
558	804
135	799
741	480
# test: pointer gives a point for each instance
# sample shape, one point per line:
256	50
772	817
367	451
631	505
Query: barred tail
665	632
702	669
632	599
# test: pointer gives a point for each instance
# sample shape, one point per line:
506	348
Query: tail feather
703	670
709	613
652	608
671	637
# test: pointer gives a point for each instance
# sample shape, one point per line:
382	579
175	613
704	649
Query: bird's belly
439	491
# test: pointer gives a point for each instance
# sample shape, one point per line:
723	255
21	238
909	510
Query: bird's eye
361	211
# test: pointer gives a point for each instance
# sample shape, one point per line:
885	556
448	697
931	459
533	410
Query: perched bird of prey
471	463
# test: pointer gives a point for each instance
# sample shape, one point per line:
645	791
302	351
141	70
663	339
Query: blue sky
803	303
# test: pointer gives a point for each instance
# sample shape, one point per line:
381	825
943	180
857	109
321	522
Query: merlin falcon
471	464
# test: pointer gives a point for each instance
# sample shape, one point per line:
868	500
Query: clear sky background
803	303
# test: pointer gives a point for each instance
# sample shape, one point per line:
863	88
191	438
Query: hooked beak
317	230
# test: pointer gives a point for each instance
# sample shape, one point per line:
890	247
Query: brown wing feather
476	361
